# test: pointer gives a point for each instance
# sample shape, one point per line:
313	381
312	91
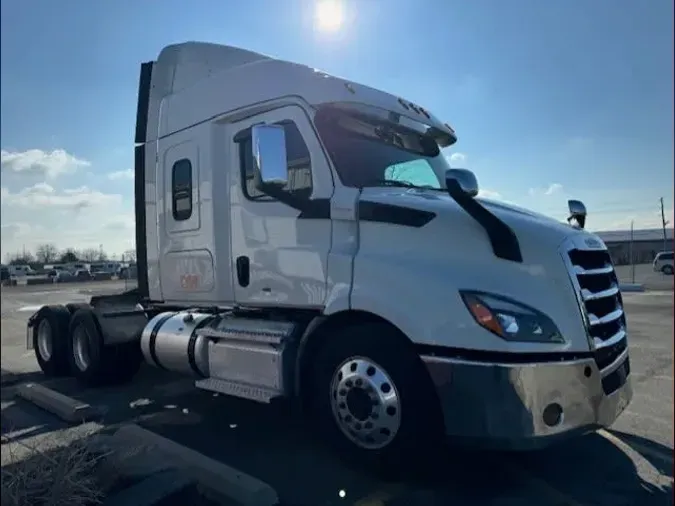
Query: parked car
60	276
83	275
664	262
129	272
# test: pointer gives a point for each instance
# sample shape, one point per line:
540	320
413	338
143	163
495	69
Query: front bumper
502	406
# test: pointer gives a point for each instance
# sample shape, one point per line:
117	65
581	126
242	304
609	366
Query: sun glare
328	15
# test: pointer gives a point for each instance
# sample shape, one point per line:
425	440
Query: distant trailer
107	267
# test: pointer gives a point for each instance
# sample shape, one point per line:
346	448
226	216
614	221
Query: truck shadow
276	446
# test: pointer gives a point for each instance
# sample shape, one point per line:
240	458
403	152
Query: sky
550	100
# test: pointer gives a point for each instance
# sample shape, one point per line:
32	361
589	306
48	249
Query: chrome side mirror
464	178
269	155
577	212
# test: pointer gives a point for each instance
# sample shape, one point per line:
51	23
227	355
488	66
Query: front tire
373	397
667	270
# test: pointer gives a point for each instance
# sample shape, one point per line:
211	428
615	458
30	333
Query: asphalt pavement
629	464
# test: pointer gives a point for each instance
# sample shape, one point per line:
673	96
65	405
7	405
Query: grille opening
606	330
606	356
602	306
588	259
596	283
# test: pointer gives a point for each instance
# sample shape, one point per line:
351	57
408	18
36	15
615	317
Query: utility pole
632	261
664	223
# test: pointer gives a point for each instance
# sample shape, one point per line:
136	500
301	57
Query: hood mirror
464	179
577	212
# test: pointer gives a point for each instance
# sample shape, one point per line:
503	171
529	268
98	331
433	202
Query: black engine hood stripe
394	214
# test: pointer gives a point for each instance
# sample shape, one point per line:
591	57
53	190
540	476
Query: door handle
243	271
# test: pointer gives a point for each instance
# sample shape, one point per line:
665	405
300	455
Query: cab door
280	253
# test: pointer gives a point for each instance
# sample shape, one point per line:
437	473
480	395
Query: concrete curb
631	287
66	408
151	490
219	479
7	378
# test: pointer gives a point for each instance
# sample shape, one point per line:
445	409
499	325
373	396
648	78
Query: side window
297	159
181	189
416	172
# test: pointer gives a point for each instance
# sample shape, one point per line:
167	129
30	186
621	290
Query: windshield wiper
402	184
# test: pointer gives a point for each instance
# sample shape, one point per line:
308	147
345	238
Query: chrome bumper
513	406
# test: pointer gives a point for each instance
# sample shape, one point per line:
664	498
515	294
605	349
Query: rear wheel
374	395
91	361
50	334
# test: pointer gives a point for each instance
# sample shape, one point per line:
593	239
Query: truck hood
525	223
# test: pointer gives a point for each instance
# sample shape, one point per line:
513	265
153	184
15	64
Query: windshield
368	152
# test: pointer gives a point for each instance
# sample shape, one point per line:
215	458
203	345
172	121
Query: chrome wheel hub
365	402
44	340
81	349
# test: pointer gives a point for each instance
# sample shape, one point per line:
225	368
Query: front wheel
668	270
372	392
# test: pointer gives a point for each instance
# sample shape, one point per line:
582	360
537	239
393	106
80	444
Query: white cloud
43	197
12	230
489	194
552	189
81	217
640	220
457	158
37	162
121	175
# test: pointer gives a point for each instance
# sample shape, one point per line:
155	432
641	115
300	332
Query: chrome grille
601	299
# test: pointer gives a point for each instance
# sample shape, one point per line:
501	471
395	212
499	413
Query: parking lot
629	464
644	274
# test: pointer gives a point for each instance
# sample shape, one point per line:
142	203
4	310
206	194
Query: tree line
48	253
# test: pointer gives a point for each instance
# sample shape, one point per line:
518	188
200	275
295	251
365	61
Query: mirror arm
281	195
579	218
503	239
309	208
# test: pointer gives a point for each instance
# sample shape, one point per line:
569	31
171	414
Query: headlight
511	320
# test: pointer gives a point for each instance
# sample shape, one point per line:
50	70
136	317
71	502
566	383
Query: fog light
553	414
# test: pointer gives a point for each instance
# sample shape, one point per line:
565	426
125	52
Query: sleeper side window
297	159
181	189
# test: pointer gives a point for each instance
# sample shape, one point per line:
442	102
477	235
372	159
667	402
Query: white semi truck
302	236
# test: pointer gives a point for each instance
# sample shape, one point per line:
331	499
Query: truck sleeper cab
302	236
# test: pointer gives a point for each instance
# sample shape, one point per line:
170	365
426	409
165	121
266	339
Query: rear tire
50	336
72	307
91	361
366	364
